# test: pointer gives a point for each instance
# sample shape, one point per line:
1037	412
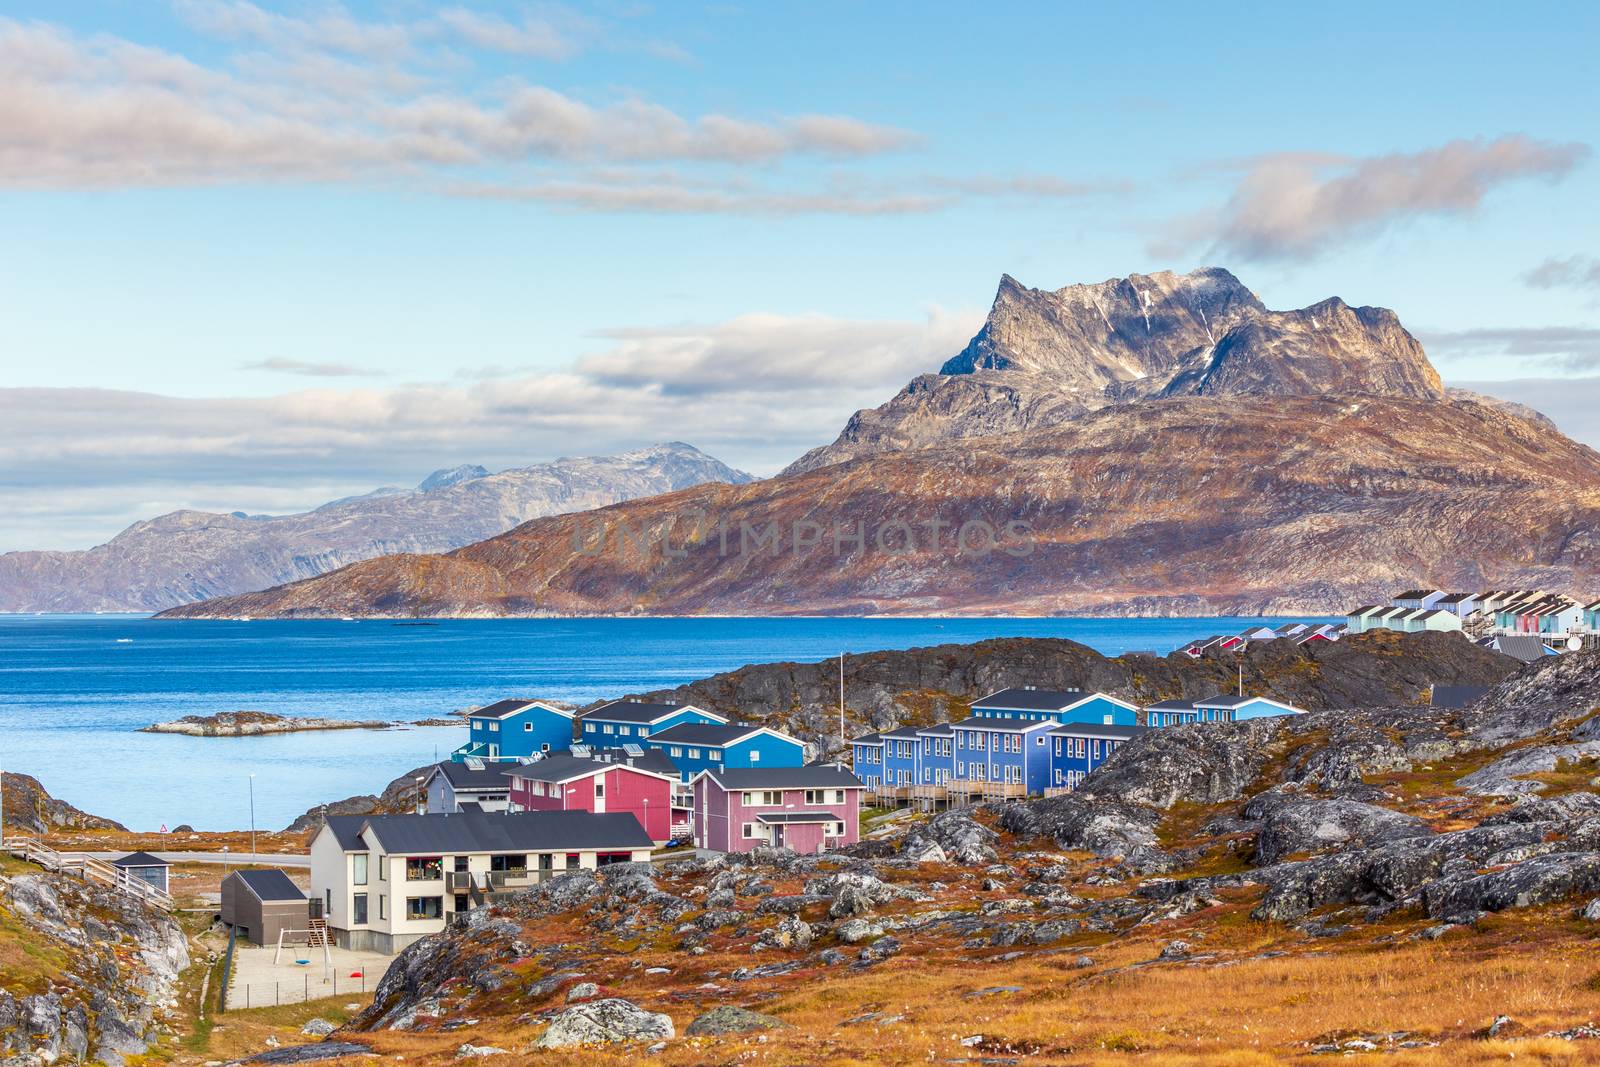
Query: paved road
234	859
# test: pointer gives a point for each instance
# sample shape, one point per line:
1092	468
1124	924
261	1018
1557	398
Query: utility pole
841	698
2	807
252	818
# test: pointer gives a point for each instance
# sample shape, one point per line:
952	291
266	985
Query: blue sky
267	254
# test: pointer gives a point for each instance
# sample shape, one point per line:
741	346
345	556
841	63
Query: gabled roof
1099	729
942	729
346	829
1177	704
140	859
867	739
523	831
270	884
1026	698
1230	702
1525	647
642	758
504	709
713	735
561	767
1456	598
1004	725
1416	594
484	776
812	776
900	733
646	713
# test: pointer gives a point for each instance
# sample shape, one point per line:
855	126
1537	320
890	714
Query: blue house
902	757
867	759
1079	747
1171	713
936	754
1055	705
625	722
515	729
698	746
1238	709
1008	752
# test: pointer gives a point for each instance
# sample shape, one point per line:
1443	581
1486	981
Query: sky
263	255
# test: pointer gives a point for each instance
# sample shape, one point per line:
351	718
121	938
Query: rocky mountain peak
443	479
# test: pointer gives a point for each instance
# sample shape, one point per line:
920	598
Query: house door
777	836
599	797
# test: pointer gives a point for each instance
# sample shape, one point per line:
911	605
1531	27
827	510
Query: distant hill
186	556
1166	444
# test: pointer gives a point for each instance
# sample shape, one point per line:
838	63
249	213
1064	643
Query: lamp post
225	862
252	818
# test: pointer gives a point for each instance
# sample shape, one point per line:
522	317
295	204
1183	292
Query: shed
143	867
263	903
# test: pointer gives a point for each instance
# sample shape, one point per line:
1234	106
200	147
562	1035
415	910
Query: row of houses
1490	613
1024	741
1301	633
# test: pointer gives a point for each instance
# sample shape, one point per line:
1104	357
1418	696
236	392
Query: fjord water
74	691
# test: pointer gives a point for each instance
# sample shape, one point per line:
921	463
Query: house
1171	713
1196	649
570	781
261	904
866	754
143	867
1068	705
698	746
1326	631
1591	617
622	722
1006	756
808	809
1418	599
1291	629
1436	619
1078	748
384	881
1224	708
1360	618
513	729
1458	604
465	785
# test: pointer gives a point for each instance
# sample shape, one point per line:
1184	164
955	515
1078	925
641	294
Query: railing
87	868
987	790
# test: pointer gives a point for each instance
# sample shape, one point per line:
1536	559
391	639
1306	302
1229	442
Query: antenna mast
841	698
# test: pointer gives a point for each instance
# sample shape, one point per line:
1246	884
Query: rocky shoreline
256	723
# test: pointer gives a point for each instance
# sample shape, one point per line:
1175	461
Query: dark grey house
261	904
143	867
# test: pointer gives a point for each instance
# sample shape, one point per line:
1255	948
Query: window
588	727
716	755
494	728
358	913
1039	740
527	727
624	730
644	731
383	906
511	862
424	907
694	753
833	829
599	790
755	756
1058	746
424	869
544	747
358	864
749	831
462	902
610	729
572	861
383	864
674	751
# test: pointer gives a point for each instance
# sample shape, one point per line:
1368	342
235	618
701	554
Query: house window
624	730
833	829
749	831
588	727
644	731
494	728
544	747
424	907
383	906
715	755
610	729
755	757
599	790
527	727
424	869
383	874
694	753
359	864
674	751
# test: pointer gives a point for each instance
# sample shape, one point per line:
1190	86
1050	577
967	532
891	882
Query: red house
567	782
808	809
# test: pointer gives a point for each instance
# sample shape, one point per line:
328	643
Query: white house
383	881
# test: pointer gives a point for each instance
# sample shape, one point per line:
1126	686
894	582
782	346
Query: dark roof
645	759
1456	598
346	830
702	733
1416	594
867	739
815	776
1457	696
901	732
140	859
797	816
1172	705
499	709
1363	609
468	805
564	766
1028	699
523	831
1002	724
1099	729
270	884
488	775
1525	647
641	711
939	728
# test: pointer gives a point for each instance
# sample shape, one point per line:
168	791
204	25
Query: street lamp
253	818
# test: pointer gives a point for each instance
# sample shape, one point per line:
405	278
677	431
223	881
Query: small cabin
261	904
143	867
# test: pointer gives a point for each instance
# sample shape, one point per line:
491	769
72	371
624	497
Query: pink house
564	782
807	809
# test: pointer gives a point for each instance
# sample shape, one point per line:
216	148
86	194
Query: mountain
1160	444
187	556
1044	357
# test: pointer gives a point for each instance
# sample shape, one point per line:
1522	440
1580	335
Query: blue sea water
74	690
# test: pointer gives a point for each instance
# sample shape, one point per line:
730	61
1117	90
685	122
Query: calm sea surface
74	691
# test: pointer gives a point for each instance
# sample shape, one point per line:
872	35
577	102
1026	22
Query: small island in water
253	723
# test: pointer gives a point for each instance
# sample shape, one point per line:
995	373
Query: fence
309	986
227	970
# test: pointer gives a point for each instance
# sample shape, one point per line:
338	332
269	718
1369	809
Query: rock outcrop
255	723
30	809
186	556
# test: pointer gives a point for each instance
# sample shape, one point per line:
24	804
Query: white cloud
1573	272
539	38
1556	347
1299	205
755	391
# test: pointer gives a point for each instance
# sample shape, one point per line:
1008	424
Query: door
777	836
599	796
